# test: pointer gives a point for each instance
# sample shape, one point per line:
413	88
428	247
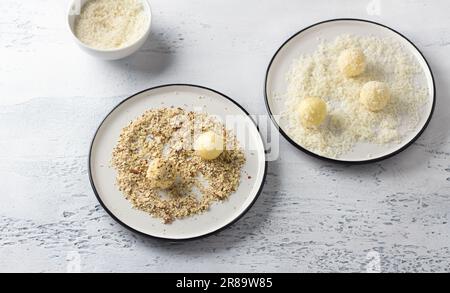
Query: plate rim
348	162
111	214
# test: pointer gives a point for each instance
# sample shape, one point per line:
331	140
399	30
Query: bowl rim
113	50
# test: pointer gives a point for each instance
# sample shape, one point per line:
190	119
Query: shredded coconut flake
348	122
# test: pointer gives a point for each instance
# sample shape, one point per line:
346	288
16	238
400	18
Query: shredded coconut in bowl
111	24
348	122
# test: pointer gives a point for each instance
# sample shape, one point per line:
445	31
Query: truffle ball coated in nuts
352	62
160	173
313	111
209	145
374	95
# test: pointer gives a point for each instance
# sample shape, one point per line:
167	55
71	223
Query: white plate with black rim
306	41
191	98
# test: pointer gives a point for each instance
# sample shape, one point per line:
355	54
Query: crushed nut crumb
167	134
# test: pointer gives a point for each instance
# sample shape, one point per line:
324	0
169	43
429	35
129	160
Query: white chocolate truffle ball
313	111
209	145
161	174
374	95
352	62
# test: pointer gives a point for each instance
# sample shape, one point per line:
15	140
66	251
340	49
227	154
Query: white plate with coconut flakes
388	132
191	98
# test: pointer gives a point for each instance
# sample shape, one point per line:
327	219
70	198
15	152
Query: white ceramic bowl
108	54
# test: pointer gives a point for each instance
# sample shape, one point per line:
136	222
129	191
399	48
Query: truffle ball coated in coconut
352	62
374	95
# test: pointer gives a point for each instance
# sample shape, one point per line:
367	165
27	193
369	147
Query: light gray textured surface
312	215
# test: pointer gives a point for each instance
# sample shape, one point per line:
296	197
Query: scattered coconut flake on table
348	122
